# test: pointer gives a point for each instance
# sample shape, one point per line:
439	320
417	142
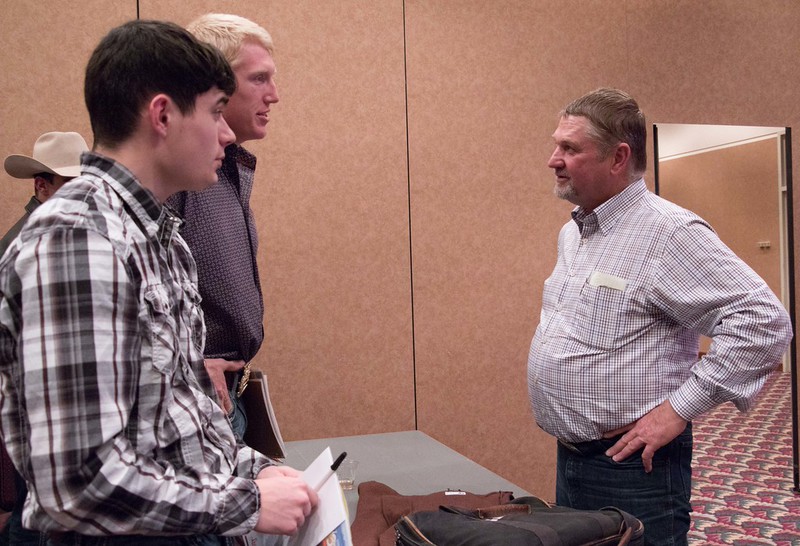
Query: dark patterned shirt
220	229
105	400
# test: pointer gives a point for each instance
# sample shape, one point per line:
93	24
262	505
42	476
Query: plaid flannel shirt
105	405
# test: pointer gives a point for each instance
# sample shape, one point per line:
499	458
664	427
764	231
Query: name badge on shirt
598	278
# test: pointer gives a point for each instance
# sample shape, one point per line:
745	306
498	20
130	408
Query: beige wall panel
486	82
736	191
45	49
718	61
331	203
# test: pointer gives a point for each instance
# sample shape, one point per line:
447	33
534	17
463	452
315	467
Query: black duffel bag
526	521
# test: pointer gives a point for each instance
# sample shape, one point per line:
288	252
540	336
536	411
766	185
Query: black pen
330	472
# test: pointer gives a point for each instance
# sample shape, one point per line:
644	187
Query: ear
41	188
622	157
160	110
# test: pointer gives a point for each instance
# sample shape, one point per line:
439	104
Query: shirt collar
238	169
606	215
235	153
140	202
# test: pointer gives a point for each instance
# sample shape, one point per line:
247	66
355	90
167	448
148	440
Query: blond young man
219	225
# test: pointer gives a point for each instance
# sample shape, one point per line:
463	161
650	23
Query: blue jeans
18	535
237	415
589	480
14	533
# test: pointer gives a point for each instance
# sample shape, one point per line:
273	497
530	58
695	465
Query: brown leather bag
380	507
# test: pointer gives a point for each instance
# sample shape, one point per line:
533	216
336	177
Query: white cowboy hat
56	153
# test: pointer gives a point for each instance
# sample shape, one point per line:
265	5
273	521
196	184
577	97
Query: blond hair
229	32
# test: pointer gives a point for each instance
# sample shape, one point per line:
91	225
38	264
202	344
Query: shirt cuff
691	401
240	497
261	464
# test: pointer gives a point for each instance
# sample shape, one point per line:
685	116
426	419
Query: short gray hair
614	117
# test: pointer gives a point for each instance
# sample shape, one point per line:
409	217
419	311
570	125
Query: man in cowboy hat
56	160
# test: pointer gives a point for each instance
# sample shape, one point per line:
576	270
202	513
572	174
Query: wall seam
410	239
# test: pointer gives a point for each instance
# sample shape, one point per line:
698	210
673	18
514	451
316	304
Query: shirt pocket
600	315
162	327
197	325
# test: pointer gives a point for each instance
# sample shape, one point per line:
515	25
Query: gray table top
410	462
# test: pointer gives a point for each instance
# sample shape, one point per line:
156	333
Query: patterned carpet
742	473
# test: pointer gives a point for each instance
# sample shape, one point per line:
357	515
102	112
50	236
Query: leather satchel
527	521
380	507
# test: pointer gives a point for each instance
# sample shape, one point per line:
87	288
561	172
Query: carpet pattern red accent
742	483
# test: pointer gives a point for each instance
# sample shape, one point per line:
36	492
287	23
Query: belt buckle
244	380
